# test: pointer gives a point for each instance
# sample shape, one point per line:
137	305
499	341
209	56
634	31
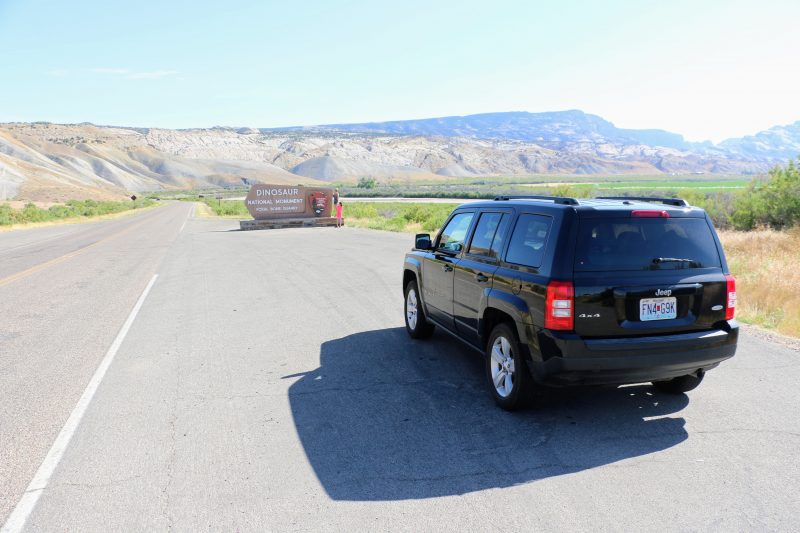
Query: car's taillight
730	297
649	213
559	307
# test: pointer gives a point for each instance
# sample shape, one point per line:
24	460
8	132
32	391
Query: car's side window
485	233
500	236
528	240
455	233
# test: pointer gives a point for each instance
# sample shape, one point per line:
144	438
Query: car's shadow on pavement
388	418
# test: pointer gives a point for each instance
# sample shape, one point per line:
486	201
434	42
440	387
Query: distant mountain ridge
576	131
778	142
554	129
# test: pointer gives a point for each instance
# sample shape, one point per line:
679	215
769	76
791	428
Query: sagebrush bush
71	209
772	202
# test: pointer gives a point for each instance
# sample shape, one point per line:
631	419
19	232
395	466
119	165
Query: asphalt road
266	383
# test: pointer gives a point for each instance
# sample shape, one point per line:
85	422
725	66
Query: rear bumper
567	359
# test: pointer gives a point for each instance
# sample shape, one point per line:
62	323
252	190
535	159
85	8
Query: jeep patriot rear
559	291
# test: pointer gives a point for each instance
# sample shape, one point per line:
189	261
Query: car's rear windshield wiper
658	260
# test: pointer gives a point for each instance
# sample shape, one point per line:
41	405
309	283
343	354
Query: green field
583	186
488	187
672	184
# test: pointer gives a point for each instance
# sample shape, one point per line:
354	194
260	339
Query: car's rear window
645	244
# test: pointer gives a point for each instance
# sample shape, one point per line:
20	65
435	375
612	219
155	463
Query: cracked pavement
268	384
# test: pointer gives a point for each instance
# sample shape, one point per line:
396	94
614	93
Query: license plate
657	308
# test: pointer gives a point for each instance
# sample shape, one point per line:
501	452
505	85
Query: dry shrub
766	264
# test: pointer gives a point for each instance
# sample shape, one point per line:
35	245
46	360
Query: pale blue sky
706	69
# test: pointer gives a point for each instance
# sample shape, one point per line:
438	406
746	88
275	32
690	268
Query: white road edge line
16	521
188	216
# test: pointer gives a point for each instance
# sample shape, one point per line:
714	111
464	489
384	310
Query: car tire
680	384
507	374
417	324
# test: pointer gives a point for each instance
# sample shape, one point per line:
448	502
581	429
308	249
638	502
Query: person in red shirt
339	215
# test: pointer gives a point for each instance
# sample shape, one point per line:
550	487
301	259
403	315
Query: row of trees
769	202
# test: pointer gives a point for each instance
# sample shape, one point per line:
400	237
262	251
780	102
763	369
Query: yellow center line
47	264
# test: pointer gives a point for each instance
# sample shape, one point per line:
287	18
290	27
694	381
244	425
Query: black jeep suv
559	291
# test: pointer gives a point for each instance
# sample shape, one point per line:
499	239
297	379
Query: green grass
397	216
226	208
72	209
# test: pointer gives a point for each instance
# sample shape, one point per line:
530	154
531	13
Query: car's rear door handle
447	268
480	278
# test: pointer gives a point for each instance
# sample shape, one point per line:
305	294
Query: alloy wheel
411	309
502	366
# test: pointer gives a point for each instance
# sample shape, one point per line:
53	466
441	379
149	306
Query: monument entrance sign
266	202
289	203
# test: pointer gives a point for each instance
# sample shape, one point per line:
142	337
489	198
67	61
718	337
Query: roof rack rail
677	202
564	200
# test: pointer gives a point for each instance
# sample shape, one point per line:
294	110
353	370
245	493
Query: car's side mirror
422	241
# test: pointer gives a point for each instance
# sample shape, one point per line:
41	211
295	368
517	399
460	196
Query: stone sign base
279	223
